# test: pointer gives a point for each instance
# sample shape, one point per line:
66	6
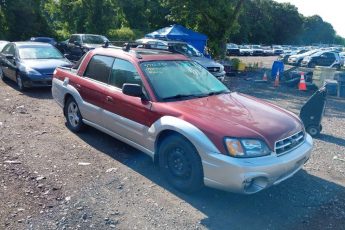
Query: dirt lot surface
51	178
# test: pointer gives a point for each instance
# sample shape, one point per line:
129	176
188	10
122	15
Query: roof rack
127	47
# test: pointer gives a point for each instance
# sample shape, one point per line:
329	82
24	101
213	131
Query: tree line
239	21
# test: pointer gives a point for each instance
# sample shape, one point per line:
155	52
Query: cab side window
99	68
123	72
9	49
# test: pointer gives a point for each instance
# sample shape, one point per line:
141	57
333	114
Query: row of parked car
253	50
32	63
315	57
300	56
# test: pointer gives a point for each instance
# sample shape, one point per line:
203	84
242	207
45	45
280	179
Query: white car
297	59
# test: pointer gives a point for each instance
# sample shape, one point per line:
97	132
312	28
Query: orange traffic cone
264	78
276	81
302	86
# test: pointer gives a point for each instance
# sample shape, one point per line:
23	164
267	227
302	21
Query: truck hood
240	116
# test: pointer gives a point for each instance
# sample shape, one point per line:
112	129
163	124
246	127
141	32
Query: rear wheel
74	119
181	164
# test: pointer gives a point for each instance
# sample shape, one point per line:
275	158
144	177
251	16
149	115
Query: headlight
246	147
29	71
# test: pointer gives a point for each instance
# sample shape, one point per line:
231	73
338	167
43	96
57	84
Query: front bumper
251	175
37	83
293	61
304	64
33	81
219	74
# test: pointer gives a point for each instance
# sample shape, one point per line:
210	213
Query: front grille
213	69
284	145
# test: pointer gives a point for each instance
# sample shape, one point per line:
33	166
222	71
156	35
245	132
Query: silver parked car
188	50
297	58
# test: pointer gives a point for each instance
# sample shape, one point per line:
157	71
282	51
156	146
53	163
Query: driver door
9	66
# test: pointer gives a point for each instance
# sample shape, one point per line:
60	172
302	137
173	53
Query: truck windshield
181	80
93	39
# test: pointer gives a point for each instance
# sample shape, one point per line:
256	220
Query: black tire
181	164
313	130
73	117
20	83
337	67
2	76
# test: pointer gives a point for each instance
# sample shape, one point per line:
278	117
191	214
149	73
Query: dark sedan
30	64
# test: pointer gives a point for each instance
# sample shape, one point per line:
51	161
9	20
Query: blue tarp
180	33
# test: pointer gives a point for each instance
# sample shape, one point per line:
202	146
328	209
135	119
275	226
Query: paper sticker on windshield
155	67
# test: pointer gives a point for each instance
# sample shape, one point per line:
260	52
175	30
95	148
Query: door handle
109	99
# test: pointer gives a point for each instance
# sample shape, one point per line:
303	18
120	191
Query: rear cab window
99	68
112	71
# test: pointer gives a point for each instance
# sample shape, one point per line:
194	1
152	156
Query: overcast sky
332	11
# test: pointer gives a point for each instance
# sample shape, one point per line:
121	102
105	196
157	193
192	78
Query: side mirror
76	43
9	56
133	90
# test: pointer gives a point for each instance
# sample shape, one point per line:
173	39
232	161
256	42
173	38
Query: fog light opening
254	185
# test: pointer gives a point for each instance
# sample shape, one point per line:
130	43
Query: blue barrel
341	85
277	66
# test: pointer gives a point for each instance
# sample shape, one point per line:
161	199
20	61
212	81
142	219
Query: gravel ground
51	178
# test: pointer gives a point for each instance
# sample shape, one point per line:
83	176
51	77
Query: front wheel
20	83
181	164
312	65
2	76
337	67
74	119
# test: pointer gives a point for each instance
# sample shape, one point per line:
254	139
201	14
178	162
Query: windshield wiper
180	96
214	93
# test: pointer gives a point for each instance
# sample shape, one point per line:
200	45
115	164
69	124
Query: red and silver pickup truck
174	110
